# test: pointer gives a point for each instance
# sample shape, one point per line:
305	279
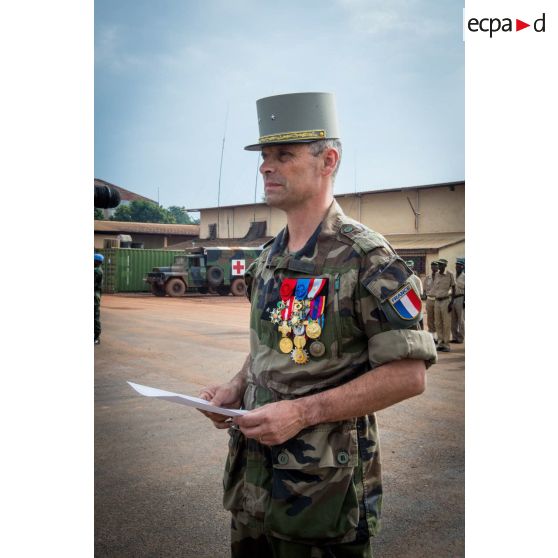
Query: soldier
443	289
430	299
334	338
458	303
99	258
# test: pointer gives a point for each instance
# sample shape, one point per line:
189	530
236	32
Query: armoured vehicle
203	270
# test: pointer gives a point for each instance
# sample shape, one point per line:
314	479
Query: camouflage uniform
97	307
319	493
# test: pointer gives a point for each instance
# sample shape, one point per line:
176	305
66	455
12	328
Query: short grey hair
318	147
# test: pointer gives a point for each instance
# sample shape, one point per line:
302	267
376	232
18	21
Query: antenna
256	184
220	172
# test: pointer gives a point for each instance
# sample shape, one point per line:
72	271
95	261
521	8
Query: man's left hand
274	423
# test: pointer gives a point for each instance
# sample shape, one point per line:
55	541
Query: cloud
383	17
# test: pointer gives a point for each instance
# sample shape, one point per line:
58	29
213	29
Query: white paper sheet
185	400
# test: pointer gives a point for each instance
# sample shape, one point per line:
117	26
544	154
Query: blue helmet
99	258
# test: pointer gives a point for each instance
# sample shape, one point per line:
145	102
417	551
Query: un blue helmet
99	258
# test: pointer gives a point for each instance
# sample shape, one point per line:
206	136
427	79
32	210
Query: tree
140	211
181	215
99	215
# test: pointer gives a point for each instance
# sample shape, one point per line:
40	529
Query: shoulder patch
397	296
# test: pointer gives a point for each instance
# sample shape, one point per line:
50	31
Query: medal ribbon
288	311
287	288
301	289
315	287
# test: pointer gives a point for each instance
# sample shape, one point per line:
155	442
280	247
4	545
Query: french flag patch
406	303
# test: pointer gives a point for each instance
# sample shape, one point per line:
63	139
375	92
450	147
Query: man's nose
266	167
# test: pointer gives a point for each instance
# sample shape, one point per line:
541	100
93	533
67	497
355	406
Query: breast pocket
313	493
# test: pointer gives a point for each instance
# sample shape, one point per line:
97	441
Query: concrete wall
441	210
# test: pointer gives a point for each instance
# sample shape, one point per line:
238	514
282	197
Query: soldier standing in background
430	300
443	290
333	338
458	303
99	258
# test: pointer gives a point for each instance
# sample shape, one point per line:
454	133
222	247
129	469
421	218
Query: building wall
149	240
441	210
450	253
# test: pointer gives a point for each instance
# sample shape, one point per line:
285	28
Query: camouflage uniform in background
97	307
319	493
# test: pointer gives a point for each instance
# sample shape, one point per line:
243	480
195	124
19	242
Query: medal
316	349
298	329
286	345
313	330
285	329
299	341
300	356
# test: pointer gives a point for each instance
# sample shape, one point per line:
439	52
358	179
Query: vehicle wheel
215	276
157	290
238	287
175	287
223	291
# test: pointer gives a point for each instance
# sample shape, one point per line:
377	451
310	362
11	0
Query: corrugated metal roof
146	228
426	241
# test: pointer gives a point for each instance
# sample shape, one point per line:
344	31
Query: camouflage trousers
249	541
316	495
97	317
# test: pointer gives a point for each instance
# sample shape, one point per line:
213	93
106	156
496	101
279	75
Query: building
109	234
422	223
125	196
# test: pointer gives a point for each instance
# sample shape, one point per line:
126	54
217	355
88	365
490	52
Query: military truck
204	270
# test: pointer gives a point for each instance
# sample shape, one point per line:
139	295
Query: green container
125	268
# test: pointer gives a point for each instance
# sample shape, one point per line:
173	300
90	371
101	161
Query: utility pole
220	172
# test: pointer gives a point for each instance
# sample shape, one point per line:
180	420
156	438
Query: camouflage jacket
325	482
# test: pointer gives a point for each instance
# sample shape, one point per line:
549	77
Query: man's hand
227	395
274	423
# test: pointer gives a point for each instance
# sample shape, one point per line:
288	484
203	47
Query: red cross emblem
238	267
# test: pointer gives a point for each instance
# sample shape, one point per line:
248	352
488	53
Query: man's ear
330	158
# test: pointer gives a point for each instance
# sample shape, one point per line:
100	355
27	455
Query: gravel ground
158	466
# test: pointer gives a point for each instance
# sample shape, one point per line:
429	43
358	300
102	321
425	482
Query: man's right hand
227	395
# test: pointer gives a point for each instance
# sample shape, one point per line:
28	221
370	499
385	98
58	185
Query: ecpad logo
493	25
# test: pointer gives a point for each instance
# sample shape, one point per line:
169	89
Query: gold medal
286	345
284	329
316	349
300	356
313	330
300	341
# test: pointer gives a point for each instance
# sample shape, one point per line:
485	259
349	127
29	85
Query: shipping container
125	268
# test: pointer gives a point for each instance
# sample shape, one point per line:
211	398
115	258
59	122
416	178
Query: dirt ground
158	465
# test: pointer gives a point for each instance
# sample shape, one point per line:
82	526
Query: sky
175	78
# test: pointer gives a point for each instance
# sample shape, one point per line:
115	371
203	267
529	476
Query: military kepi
296	118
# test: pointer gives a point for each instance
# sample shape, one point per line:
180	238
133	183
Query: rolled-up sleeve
400	344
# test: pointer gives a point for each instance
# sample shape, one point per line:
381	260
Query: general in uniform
303	474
